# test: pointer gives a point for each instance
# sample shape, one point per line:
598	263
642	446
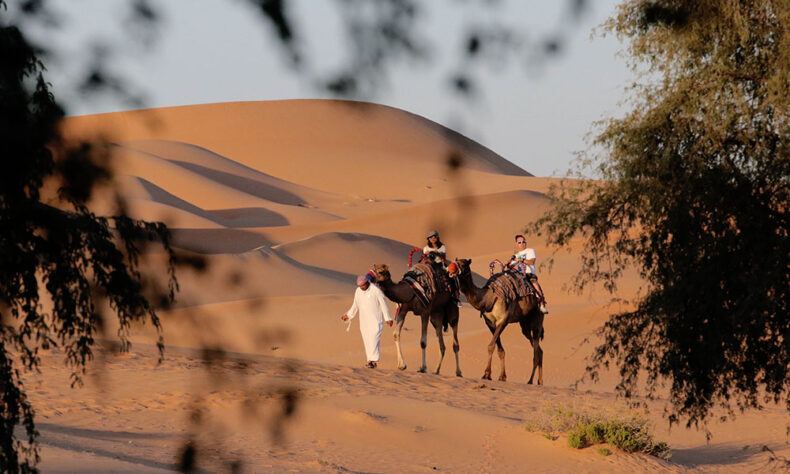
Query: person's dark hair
519	235
438	243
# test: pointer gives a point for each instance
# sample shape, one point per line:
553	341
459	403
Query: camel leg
495	331
400	318
487	372
501	352
537	353
441	346
537	363
456	348
423	341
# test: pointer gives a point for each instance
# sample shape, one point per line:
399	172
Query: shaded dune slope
219	196
347	251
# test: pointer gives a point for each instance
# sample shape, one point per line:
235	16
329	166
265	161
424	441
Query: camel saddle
510	286
425	280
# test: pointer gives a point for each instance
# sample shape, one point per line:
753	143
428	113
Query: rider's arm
530	257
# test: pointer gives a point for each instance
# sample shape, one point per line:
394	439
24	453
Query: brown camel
442	311
497	314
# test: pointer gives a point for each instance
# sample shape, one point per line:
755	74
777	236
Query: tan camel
497	314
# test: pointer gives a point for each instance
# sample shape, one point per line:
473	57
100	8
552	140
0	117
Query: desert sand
288	201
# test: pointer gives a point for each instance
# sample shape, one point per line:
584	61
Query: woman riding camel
436	251
524	261
435	246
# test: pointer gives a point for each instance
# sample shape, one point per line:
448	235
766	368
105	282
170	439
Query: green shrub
594	432
603	451
629	434
576	439
621	437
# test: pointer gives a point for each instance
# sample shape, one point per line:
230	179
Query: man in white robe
371	306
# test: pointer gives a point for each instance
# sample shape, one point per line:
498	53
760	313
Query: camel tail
446	325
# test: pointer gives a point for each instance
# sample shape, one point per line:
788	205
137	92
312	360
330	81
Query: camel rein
493	264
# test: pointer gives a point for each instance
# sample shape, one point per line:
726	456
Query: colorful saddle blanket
510	286
423	278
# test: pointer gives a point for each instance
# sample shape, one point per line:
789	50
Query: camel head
463	265
382	272
462	268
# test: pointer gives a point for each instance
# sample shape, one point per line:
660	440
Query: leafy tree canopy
61	266
694	191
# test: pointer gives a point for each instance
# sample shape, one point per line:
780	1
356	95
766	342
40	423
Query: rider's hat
433	233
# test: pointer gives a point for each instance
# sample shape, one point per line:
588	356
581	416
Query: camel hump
433	278
425	274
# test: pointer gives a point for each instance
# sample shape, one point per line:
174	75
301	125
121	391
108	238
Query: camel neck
399	292
474	295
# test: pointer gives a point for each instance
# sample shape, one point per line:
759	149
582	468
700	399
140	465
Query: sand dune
195	188
344	251
400	155
469	225
221	169
256	273
233	217
287	201
217	241
175	216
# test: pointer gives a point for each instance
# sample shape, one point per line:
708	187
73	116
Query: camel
497	314
442	312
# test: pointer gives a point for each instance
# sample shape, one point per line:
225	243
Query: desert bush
626	432
576	440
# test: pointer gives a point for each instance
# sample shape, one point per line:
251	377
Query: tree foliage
694	191
61	265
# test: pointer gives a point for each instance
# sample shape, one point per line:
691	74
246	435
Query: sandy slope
287	201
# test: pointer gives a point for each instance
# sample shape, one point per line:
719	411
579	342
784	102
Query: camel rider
435	249
434	245
524	261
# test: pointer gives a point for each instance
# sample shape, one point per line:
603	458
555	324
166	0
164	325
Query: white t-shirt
528	254
426	250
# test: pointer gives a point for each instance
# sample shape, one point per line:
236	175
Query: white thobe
372	308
